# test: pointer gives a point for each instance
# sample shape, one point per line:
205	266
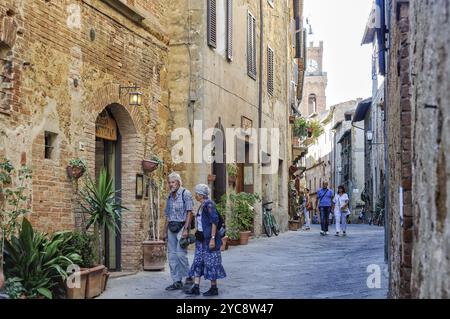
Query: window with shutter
270	57
251	46
298	38
212	25
230	30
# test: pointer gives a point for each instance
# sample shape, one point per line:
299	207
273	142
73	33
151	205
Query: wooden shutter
229	30
212	25
251	46
270	58
298	38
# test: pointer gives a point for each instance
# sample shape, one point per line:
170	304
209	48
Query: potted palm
76	168
99	201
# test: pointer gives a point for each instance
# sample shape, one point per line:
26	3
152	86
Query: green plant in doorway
242	210
99	202
232	169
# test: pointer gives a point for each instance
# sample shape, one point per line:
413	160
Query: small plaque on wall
139	186
248	175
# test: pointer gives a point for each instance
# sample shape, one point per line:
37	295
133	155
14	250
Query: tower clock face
312	66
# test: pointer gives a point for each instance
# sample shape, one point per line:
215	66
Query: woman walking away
307	207
207	258
340	203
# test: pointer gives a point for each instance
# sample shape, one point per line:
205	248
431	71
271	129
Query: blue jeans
178	262
324	215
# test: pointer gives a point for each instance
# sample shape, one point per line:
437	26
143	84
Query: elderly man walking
178	220
323	203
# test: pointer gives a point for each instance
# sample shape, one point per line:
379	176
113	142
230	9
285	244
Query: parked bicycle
269	222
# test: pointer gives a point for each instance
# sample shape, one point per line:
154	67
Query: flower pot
233	242
2	278
224	244
231	180
106	275
211	178
244	236
154	255
78	292
75	172
291	119
149	166
294	225
94	285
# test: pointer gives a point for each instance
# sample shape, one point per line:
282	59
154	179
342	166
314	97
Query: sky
340	25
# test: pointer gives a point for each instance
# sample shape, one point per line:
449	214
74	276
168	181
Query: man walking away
323	203
178	220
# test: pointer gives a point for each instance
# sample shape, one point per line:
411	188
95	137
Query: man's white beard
174	189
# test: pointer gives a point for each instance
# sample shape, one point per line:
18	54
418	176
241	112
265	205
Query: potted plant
291	119
243	214
152	164
76	168
232	170
99	202
38	262
154	249
294	225
14	200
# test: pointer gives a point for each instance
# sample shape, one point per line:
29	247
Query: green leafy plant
77	162
82	244
317	129
38	261
14	201
300	127
14	288
99	201
242	210
232	169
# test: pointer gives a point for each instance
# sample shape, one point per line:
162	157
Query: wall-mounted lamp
369	136
134	95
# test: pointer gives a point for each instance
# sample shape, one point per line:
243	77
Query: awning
361	110
346	133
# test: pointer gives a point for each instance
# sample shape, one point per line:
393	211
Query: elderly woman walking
207	259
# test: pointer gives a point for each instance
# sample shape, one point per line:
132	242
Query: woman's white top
339	201
199	225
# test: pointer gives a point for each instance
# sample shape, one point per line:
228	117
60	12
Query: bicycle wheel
266	225
275	229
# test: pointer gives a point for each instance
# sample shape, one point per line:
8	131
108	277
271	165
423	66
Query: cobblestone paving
293	265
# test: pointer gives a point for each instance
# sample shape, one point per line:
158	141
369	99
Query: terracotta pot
2	278
154	255
244	236
211	178
294	225
94	285
149	166
233	242
75	172
80	292
106	275
224	244
291	119
232	180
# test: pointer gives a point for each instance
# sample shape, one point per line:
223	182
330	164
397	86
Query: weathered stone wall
205	86
430	71
65	63
399	153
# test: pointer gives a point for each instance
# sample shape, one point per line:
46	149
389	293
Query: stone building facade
218	80
417	109
63	63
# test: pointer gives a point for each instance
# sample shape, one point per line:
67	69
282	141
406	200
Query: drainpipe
261	58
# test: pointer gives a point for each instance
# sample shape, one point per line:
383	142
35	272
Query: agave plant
38	262
100	203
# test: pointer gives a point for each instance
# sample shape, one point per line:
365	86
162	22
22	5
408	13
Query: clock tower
314	99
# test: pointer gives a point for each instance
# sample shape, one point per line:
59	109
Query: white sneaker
322	233
326	233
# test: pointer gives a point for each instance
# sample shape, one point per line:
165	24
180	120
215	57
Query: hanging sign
106	127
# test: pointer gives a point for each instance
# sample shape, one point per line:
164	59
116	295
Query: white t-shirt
199	218
339	201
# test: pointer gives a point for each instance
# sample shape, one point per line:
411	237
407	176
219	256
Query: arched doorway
115	150
219	165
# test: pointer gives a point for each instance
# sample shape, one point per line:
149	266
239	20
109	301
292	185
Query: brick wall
66	60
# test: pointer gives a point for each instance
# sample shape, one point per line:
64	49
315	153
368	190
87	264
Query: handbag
199	235
175	227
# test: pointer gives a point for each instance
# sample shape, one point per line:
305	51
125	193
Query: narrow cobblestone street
292	265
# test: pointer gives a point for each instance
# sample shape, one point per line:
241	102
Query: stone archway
131	128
